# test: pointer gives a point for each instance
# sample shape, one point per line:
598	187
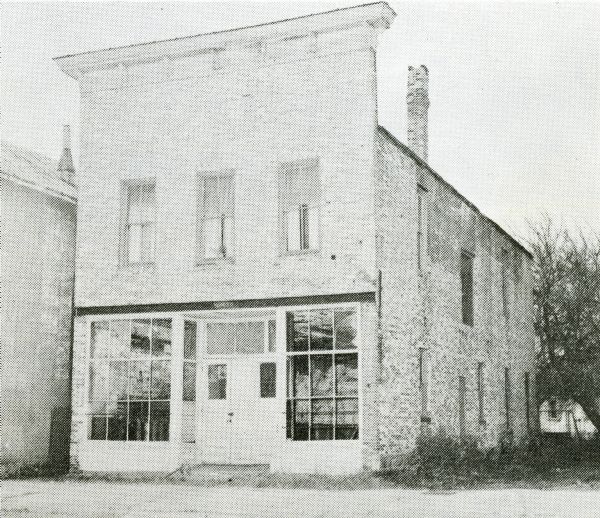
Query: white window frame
308	212
359	396
172	358
227	255
126	187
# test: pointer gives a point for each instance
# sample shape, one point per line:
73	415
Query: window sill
215	261
137	266
300	253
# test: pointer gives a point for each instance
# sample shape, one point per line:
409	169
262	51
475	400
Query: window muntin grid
130	379
322	375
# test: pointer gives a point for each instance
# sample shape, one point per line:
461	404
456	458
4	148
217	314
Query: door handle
230	414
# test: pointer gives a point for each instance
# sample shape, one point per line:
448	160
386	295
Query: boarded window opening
466	278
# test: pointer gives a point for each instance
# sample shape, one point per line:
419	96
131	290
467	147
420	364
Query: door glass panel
346	372
321	375
267	380
345	329
322	420
321	330
217	381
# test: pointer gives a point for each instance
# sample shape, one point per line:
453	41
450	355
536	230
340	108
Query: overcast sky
514	121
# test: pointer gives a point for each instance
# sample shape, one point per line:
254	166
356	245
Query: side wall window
300	195
505	271
480	392
507	397
466	283
424	383
216	216
421	227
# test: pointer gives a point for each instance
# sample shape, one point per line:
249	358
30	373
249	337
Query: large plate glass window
322	375
130	380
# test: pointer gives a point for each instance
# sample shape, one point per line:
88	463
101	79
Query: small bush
442	461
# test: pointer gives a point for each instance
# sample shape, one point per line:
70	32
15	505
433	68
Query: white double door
236	424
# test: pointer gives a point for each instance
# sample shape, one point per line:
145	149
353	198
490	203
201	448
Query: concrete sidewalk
103	499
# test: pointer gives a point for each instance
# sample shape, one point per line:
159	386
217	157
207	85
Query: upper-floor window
140	222
216	211
466	283
300	198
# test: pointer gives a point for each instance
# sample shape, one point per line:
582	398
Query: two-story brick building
265	275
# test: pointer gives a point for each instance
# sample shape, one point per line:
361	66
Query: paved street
102	499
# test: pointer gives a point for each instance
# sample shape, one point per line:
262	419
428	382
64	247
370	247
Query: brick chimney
417	101
65	165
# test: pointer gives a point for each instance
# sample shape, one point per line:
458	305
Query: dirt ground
76	498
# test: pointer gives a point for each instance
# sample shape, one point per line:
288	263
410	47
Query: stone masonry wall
425	310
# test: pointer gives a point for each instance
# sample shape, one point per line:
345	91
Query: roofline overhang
410	153
379	15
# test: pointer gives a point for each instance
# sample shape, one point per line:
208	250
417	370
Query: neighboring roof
409	152
377	14
35	171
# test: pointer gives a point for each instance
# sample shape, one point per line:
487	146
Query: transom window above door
237	337
216	216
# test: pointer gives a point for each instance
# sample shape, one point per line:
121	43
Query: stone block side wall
425	311
38	253
170	120
401	330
